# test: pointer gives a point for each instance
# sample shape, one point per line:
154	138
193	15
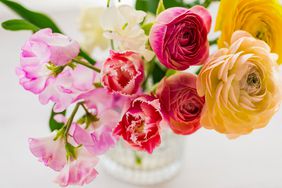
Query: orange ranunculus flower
241	85
261	18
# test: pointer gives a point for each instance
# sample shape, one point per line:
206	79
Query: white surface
212	161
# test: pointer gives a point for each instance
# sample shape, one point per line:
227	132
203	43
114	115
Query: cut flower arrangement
142	86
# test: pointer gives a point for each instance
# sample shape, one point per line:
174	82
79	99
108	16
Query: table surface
212	161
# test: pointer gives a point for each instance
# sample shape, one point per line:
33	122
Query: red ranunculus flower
180	103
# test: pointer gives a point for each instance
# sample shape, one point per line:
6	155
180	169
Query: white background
212	161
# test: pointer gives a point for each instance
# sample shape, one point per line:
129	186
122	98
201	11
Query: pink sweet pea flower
99	137
123	72
180	102
96	142
62	48
100	99
97	100
33	71
80	171
41	55
140	125
64	89
179	37
51	153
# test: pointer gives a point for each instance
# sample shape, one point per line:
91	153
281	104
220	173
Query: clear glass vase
141	168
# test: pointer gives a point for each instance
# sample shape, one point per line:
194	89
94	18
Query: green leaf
147	27
160	7
152	5
147	5
199	70
38	19
18	25
53	124
170	72
158	73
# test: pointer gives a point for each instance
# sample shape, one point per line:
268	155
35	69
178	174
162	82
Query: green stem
86	65
70	120
87	57
108	3
85	109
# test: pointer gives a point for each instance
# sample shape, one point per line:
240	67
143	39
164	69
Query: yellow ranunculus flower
261	18
241	85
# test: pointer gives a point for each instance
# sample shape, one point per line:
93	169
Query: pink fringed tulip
180	102
123	72
80	171
51	153
140	124
179	37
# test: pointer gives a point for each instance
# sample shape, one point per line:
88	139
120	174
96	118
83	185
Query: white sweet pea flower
92	30
121	24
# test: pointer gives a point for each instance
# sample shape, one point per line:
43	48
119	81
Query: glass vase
141	168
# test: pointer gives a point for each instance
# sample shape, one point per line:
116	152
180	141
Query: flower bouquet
158	74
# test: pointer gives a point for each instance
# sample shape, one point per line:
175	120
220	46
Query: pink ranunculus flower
179	37
180	103
140	125
64	89
80	171
123	72
62	48
52	153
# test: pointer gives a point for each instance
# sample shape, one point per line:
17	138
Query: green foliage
38	19
170	72
152	5
18	25
158	73
160	7
199	70
53	124
147	27
147	5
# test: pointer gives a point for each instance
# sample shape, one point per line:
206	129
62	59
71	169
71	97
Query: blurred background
211	161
